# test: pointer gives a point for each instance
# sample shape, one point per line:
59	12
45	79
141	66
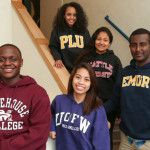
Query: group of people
71	45
98	89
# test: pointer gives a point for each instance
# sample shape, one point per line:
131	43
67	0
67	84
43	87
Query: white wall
6	23
128	15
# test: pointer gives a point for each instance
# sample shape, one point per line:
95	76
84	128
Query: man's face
140	48
10	63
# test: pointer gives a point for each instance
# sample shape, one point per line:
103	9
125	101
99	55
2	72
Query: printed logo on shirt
137	80
101	64
66	117
68	39
6	117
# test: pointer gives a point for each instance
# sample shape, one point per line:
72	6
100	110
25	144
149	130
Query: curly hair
89	51
81	23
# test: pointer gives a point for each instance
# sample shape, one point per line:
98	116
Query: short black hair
140	31
11	45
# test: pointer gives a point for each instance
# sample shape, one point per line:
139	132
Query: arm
55	49
58	64
101	138
54	45
87	38
114	102
53	128
36	135
118	68
53	134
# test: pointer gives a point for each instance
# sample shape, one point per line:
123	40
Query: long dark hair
90	51
81	23
91	101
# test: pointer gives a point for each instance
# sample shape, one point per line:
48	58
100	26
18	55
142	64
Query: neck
11	82
140	64
100	52
78	97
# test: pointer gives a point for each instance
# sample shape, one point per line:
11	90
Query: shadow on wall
33	7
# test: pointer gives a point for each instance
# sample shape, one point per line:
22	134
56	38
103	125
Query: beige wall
128	15
33	65
5	25
13	31
48	10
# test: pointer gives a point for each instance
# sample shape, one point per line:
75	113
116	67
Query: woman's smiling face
70	16
81	82
102	42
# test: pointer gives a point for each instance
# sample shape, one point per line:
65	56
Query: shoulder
54	32
37	92
127	69
86	32
38	95
37	88
61	98
115	58
100	111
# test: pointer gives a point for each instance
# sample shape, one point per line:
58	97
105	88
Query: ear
129	46
21	64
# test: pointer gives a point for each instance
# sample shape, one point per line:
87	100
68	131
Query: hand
53	134
118	119
59	64
109	125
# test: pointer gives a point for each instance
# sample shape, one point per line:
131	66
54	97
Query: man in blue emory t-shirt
132	95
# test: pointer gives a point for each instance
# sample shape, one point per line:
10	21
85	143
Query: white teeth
80	88
8	69
101	46
71	20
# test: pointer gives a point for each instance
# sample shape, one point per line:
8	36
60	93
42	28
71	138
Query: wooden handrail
60	75
18	0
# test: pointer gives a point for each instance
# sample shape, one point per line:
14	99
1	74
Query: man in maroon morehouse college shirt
24	105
